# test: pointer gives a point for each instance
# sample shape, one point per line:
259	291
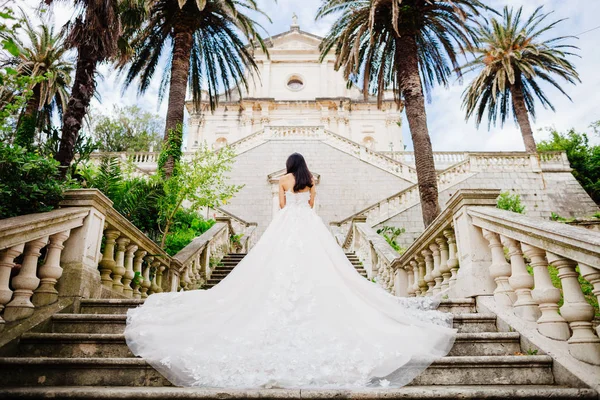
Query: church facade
295	88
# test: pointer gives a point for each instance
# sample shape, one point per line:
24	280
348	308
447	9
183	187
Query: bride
294	313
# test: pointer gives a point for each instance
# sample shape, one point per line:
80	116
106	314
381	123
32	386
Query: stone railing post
7	262
444	268
474	276
137	273
521	282
129	273
119	269
81	253
452	260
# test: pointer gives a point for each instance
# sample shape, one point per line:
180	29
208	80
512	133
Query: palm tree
404	45
96	34
512	59
205	50
43	57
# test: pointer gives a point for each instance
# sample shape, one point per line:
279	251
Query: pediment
275	176
295	40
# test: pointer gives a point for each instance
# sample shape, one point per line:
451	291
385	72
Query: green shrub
510	202
29	182
390	234
187	225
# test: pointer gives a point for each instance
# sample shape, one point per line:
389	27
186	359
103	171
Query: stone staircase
83	355
230	261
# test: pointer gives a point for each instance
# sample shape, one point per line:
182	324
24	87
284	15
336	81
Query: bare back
286	184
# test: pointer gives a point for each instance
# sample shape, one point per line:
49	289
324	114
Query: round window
295	83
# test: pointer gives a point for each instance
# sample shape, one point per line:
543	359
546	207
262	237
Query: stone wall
541	193
347	185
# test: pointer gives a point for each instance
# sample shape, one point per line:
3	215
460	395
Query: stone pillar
452	260
81	255
25	283
435	273
401	283
119	269
51	271
422	282
415	268
428	256
550	324
138	279
146	284
108	264
444	268
473	277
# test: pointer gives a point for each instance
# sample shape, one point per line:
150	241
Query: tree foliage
512	58
128	128
583	156
510	202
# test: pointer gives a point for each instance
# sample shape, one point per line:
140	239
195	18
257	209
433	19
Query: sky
447	126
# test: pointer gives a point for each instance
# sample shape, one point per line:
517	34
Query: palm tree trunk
27	123
81	95
180	69
412	91
522	116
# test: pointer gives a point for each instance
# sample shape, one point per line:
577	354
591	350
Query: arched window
295	83
368	141
220	142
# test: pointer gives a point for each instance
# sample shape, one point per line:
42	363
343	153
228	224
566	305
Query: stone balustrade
238	226
474	249
376	255
86	249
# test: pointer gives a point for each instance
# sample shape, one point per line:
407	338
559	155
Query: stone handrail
472	234
377	256
92	251
238	226
403	200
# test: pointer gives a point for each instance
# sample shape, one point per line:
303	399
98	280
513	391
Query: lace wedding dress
294	313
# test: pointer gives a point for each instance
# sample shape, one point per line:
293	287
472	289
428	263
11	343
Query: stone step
88	323
89	345
457	306
115	323
475	322
525	392
108	306
120	306
449	371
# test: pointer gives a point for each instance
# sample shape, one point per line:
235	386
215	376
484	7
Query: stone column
428	256
119	268
138	279
435	273
452	260
422	282
129	273
444	269
107	264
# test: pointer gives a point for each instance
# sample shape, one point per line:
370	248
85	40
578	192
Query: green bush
187	225
29	182
510	202
390	234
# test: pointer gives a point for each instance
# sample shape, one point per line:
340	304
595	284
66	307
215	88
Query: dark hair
296	166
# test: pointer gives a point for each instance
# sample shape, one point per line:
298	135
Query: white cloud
448	129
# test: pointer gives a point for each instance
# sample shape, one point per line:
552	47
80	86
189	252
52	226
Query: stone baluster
435	273
199	277
415	268
146	284
51	271
159	277
592	275
129	274
410	280
422	273
119	269
550	323
107	264
444	269
7	262
194	273
583	344
452	257
428	256
499	270
25	283
137	271
521	282
154	288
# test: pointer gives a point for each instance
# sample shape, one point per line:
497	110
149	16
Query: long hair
296	165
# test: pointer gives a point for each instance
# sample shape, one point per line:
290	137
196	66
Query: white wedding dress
294	313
